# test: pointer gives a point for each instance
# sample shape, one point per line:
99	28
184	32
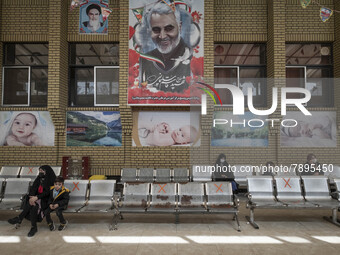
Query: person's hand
51	206
56	206
32	200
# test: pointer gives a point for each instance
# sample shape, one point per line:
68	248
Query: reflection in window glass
310	66
84	59
244	66
31	57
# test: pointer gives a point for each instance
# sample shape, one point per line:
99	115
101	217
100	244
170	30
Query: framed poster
166	129
93	128
26	128
166	52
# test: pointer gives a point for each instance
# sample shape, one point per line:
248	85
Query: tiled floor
281	232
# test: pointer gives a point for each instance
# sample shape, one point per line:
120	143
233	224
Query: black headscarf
218	160
49	178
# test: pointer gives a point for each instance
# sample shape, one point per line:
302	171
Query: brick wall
271	22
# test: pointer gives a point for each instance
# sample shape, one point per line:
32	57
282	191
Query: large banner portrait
93	16
166	51
90	128
29	128
246	130
317	130
166	129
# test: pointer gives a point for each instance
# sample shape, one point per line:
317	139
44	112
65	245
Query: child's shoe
62	226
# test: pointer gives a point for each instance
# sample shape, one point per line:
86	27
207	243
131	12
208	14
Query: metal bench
317	195
29	172
78	195
129	175
10	171
174	198
181	175
14	190
163	175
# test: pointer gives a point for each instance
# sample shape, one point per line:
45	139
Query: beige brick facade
227	21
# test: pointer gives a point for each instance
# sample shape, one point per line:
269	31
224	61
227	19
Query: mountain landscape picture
93	128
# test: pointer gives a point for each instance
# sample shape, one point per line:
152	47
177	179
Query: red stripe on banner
218	96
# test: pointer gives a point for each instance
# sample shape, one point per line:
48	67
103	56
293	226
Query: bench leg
251	219
176	218
121	216
238	223
334	218
114	221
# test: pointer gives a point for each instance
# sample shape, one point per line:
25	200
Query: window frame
87	66
28	81
95	85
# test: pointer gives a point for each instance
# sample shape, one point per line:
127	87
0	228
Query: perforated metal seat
289	191
10	171
317	191
146	175
201	173
163	197
129	175
181	175
261	191
191	197
220	197
101	196
29	172
57	170
78	195
15	189
163	175
135	197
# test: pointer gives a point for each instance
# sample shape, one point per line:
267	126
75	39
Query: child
162	135
58	200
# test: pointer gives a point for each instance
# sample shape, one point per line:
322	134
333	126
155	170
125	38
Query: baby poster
166	129
317	130
26	128
166	51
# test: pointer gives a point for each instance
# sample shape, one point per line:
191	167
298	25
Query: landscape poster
93	128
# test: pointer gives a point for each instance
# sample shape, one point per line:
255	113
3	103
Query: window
244	66
310	66
24	81
94	75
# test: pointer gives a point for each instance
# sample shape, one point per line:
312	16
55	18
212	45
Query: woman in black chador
223	172
36	201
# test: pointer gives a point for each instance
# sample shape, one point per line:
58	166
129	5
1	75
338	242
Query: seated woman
38	198
312	166
223	172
